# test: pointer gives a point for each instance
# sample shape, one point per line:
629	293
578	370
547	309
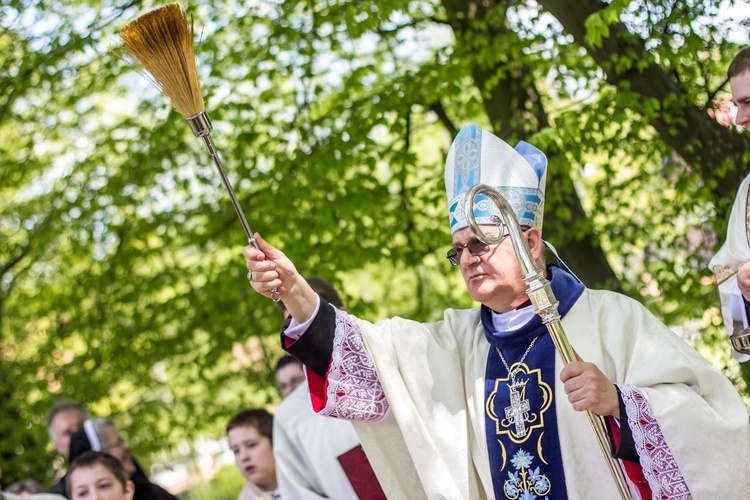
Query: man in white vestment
317	457
480	405
290	374
731	264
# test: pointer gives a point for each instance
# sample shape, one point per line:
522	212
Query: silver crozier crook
539	291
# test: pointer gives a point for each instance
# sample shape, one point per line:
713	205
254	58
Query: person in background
480	404
738	74
98	476
25	495
63	419
250	435
25	487
289	375
731	264
101	434
317	457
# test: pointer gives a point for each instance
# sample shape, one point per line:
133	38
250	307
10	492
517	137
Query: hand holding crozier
588	389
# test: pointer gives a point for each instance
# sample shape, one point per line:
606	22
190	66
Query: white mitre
519	175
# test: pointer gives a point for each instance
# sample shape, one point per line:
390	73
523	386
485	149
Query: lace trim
354	390
657	461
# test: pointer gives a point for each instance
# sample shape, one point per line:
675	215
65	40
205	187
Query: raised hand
269	268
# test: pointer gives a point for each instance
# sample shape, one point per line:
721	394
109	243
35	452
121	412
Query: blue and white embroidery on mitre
478	157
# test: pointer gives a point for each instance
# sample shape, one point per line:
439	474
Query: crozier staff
479	405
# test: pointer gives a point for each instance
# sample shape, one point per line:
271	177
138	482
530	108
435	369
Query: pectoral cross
518	411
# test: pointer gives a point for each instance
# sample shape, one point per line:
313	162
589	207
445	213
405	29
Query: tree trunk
516	112
698	138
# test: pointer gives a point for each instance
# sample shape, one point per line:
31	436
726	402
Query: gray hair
62	406
25	486
101	423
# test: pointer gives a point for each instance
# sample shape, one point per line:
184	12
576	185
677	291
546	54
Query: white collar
512	320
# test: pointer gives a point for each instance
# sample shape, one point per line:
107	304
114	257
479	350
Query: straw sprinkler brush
162	41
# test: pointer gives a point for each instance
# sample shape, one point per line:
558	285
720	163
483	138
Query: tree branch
437	108
695	136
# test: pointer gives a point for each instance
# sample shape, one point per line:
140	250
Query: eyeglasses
475	247
293	383
120	443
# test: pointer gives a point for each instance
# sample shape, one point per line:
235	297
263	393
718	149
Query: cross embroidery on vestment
518	411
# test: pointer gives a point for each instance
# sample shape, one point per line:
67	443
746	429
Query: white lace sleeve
354	390
658	463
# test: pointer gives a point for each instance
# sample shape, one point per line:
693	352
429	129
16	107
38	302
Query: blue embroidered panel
522	435
468	159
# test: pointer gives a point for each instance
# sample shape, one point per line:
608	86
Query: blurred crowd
298	454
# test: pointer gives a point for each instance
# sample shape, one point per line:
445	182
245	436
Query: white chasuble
432	443
309	449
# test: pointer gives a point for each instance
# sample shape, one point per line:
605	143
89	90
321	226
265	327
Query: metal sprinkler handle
201	126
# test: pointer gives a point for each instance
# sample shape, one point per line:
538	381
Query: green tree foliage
123	284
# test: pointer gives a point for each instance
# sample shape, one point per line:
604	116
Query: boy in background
250	439
98	475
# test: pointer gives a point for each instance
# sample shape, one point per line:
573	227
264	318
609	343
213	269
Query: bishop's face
494	279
